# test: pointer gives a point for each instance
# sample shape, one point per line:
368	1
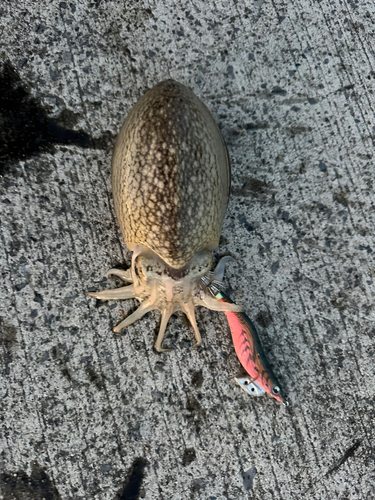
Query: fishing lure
246	342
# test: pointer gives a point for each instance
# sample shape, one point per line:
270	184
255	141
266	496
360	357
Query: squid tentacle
143	309
165	315
124	275
125	292
188	309
215	305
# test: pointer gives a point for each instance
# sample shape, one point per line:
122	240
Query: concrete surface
87	414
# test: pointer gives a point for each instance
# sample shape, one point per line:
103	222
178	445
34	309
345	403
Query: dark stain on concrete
275	266
133	485
293	131
189	456
348	453
198	485
20	486
61	358
95	378
25	127
264	319
197	379
8	341
242	219
248	478
256	126
197	413
252	187
278	91
341	197
322	166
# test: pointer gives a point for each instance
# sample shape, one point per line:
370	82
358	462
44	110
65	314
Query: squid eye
275	389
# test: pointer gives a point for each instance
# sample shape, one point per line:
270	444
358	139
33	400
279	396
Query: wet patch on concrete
133	485
197	379
25	127
252	187
189	456
8	341
20	486
248	478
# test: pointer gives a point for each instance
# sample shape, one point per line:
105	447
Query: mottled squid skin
171	182
171	175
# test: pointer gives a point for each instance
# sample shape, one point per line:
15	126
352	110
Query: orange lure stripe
249	351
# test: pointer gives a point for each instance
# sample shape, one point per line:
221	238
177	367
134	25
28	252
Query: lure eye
275	389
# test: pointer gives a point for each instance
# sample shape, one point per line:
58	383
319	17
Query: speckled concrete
87	414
